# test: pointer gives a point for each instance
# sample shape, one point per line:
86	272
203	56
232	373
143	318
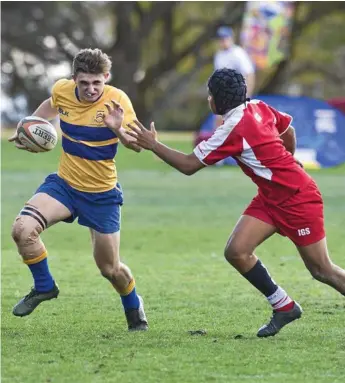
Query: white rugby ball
37	134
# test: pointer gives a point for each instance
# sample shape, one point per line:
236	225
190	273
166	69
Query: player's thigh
254	226
40	212
50	208
316	258
106	249
248	234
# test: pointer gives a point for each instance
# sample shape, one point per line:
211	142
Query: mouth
90	95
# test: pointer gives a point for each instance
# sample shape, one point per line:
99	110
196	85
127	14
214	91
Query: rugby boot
136	318
280	319
28	304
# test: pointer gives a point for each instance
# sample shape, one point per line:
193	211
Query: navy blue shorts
99	211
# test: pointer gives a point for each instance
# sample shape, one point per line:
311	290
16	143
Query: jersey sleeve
55	93
129	113
282	120
224	142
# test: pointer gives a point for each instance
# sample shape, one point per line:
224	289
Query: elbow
188	171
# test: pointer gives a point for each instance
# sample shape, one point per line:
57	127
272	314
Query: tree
162	51
148	42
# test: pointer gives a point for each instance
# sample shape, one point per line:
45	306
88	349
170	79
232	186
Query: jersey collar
231	112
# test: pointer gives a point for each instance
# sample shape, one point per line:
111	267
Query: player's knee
110	272
24	233
321	273
234	251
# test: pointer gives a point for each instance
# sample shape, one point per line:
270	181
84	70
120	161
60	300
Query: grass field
173	233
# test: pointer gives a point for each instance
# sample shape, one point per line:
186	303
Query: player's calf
123	282
319	264
332	275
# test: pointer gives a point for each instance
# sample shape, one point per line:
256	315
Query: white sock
279	299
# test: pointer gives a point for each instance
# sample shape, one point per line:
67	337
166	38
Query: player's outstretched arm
185	163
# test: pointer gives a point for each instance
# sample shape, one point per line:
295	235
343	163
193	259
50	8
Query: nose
90	89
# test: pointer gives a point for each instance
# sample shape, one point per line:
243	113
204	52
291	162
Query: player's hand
145	138
127	140
18	144
114	119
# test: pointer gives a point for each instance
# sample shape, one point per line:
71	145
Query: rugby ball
37	134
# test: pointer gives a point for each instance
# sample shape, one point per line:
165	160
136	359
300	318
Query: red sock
287	307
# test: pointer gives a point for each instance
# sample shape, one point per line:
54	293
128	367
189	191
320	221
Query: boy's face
90	86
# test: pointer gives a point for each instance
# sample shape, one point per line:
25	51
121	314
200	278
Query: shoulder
111	92
235	118
62	86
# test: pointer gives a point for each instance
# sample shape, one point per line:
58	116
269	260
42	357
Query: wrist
154	146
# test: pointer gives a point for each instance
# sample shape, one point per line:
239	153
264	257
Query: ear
74	78
106	76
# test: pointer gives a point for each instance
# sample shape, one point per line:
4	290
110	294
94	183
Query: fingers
135	147
153	128
108	107
116	105
22	147
13	138
134	128
139	125
132	133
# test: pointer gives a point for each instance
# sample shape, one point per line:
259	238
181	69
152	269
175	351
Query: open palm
114	118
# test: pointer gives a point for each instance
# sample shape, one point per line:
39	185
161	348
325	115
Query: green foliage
173	234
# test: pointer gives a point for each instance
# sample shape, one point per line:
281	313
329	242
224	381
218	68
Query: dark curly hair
228	89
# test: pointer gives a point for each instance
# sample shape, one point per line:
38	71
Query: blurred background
163	53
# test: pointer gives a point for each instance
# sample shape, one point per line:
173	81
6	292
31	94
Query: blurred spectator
233	56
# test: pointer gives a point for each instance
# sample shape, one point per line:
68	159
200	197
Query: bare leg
106	251
247	235
39	213
318	262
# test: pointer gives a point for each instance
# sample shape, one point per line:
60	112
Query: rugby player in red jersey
262	141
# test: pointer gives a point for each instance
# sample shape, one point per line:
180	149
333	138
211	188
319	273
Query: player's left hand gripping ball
35	134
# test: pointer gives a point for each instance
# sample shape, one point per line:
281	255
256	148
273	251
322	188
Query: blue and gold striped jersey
89	147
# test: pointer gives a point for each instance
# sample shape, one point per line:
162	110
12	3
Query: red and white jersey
251	134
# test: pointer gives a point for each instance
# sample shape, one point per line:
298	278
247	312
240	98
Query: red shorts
299	218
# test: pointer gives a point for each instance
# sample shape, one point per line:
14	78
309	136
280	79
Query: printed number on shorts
303	232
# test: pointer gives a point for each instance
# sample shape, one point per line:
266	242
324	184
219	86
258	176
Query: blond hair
91	61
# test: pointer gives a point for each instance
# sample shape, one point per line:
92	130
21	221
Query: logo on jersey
303	232
63	112
99	116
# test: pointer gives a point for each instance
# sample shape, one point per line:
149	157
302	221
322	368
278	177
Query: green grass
173	233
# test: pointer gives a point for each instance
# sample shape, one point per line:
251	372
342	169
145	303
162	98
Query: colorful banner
266	31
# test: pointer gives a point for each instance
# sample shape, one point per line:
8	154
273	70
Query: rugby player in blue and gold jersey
85	186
